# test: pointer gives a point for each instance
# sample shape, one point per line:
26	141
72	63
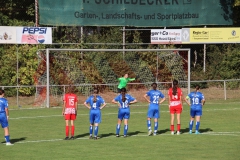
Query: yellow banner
211	35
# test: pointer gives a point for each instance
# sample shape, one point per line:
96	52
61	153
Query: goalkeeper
123	82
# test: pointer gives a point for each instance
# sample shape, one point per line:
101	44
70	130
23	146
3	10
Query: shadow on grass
163	131
200	130
107	134
134	133
82	135
16	140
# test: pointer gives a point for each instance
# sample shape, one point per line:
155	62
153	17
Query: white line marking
86	138
117	113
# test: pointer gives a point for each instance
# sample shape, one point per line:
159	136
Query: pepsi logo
41	39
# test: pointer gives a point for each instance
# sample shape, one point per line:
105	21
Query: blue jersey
196	100
155	96
3	117
125	104
95	113
3	105
97	104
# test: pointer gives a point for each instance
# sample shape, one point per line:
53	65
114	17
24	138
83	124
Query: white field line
86	138
209	110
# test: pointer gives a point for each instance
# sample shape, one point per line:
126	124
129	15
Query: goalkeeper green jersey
123	82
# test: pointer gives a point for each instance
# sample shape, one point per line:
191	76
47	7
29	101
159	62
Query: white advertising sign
166	36
8	35
34	35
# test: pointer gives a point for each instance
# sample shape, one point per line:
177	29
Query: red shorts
70	116
175	109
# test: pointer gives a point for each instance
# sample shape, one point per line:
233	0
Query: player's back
176	97
196	100
70	100
3	104
155	95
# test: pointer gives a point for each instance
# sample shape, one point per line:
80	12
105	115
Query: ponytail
123	92
95	92
175	86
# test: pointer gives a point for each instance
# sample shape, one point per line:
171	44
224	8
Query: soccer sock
67	131
90	130
197	126
178	127
172	128
125	129
96	131
118	128
72	130
155	127
7	138
149	124
190	125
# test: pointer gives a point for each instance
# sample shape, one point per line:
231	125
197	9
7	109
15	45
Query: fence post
225	92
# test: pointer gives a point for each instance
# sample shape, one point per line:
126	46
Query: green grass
39	133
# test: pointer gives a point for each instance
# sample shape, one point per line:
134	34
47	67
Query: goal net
84	69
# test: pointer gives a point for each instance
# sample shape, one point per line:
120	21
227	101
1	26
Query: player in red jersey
175	105
69	112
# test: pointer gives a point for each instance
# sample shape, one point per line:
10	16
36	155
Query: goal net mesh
87	70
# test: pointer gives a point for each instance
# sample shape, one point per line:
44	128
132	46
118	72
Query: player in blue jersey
153	109
123	100
95	103
4	116
197	100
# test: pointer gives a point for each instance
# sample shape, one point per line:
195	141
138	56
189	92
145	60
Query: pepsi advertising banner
34	35
26	35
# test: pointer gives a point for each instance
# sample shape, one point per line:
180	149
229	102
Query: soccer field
39	134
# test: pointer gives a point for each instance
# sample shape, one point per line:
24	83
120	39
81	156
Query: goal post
170	63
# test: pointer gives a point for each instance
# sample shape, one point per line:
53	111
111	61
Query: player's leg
120	117
172	112
67	118
4	124
198	117
178	111
91	120
192	115
97	120
125	127
96	131
149	126
156	116
7	136
73	118
149	116
178	123
126	118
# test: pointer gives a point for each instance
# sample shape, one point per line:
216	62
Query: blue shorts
95	116
153	113
3	120
195	112
124	113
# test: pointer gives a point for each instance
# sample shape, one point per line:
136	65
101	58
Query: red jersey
70	99
175	99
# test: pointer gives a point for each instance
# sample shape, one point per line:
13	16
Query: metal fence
212	89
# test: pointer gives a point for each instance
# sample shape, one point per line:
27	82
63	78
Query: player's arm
103	105
186	100
162	100
86	105
203	102
131	79
63	109
146	97
76	107
134	101
7	112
